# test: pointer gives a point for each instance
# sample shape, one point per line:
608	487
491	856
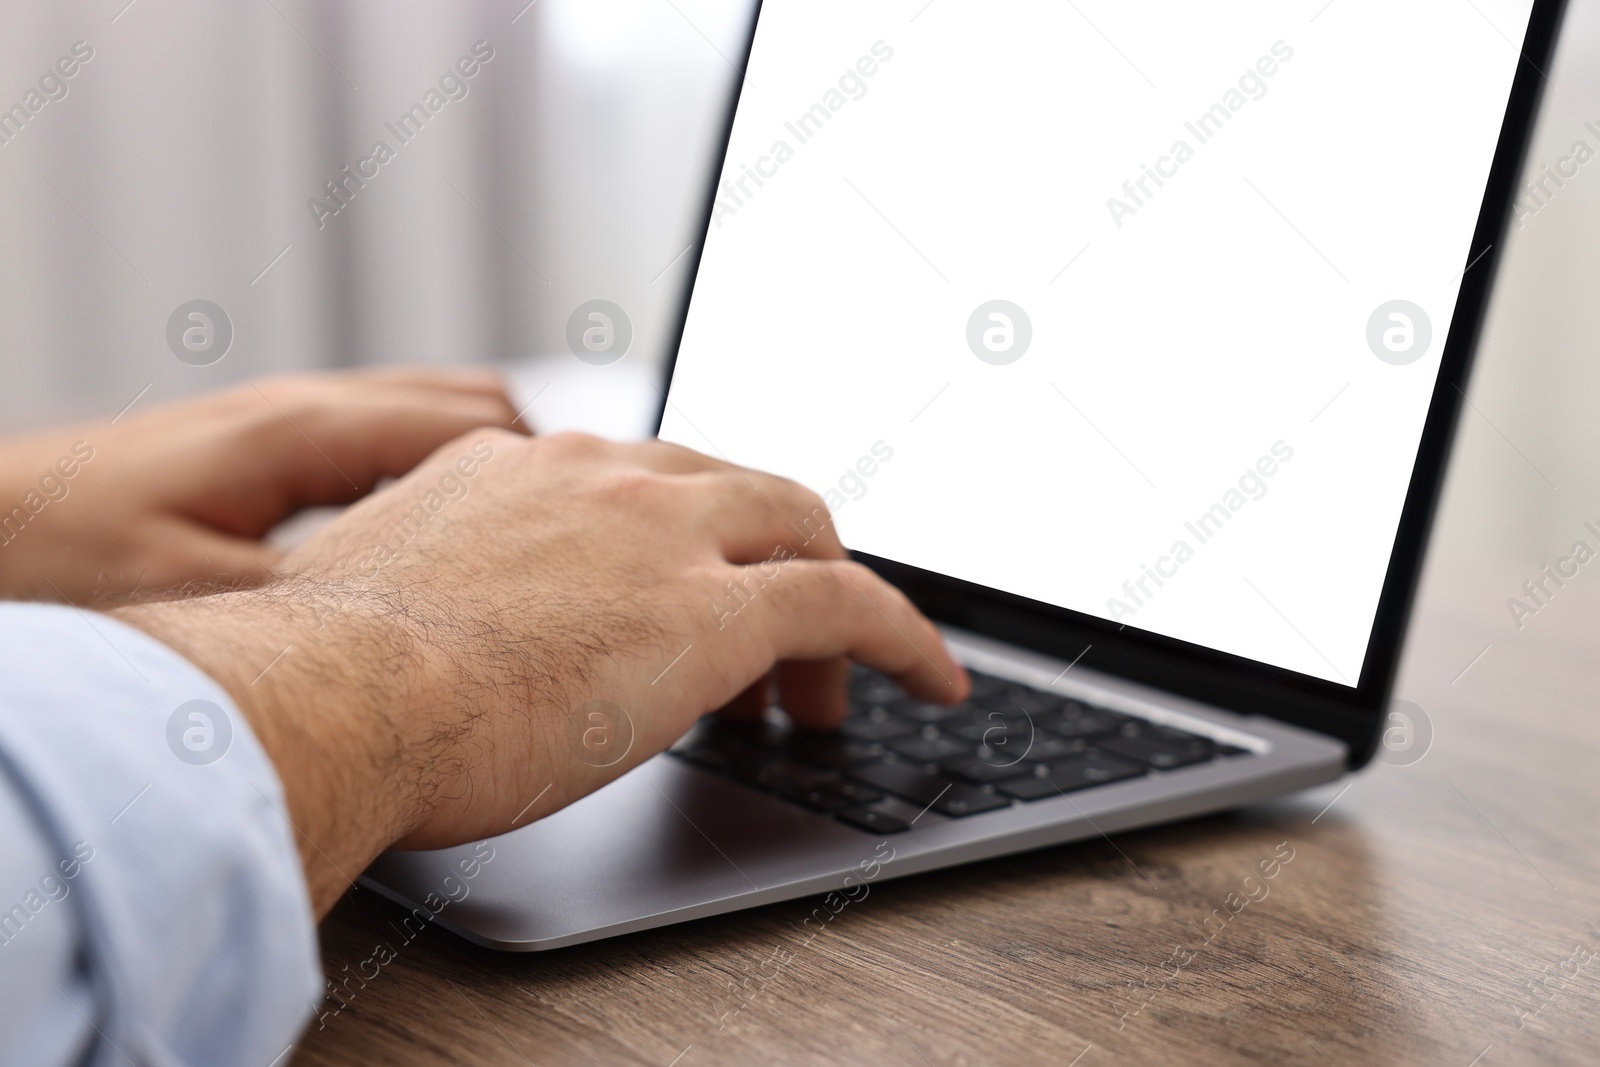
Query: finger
380	433
814	692
754	513
501	400
668	458
428	382
816	610
320	450
760	517
751	704
186	552
480	381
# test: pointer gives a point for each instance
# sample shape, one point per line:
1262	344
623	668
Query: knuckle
467	438
725	483
496	435
498	438
668	448
788	493
808	498
801	511
856	578
861	573
633	485
813	509
574	442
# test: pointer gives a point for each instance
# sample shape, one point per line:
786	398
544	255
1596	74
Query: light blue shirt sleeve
153	910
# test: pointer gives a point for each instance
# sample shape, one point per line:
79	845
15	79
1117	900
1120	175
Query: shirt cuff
193	909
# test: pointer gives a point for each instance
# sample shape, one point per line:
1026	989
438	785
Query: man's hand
184	492
446	637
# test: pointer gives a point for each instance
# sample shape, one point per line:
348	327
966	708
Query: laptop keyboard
1009	743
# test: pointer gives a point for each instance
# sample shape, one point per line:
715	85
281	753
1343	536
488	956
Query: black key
1159	746
986	686
902	780
1047	747
736	737
1029	788
1165	734
1015	741
828	796
877	724
962	801
1064	777
1083	721
1233	750
1091	770
935	790
1150	751
870	687
957	725
1000	757
776	775
980	769
1021	700
1169	735
917	711
994	729
876	822
928	746
832	749
857	708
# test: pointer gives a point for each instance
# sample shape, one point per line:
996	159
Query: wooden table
1443	912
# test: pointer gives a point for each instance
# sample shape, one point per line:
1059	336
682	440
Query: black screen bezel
1352	714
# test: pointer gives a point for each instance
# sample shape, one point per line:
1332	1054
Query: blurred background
181	161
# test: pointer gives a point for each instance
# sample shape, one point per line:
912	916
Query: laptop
1129	342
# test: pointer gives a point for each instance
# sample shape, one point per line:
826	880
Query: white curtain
179	163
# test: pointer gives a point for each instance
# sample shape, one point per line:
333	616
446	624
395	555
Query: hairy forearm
313	670
445	690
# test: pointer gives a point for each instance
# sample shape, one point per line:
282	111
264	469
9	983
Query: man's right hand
448	638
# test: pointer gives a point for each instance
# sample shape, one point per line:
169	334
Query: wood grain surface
1443	912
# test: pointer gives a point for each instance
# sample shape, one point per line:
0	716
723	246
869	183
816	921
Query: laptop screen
1132	310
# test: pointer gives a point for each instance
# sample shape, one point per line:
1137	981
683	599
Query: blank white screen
961	152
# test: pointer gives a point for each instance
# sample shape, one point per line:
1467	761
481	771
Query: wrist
319	676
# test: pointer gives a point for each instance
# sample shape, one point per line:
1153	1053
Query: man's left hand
185	492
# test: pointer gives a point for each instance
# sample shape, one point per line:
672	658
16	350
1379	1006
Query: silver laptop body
1103	727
